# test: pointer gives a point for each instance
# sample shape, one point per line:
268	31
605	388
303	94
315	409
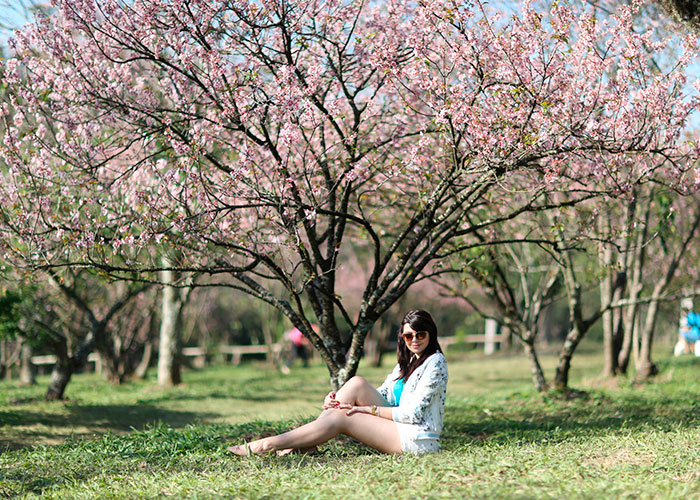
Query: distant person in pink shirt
299	348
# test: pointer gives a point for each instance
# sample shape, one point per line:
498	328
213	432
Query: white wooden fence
237	352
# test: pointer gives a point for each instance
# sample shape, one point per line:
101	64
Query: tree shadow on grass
251	389
83	421
518	419
31	421
157	448
249	395
556	421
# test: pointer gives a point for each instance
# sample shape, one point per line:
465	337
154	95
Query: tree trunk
579	326
10	355
629	333
169	349
561	375
66	365
3	360
142	368
610	367
340	375
272	357
618	329
573	290
147	355
346	366
381	336
109	349
61	372
506	338
613	327
60	376
631	311
635	341
606	287
645	366
108	352
109	362
26	368
535	368
382	343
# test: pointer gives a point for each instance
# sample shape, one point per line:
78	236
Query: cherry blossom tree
512	283
107	318
638	256
609	241
75	314
263	140
648	248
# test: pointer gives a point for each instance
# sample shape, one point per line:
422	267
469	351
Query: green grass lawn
501	439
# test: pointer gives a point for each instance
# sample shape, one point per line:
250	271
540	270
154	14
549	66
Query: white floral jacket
423	398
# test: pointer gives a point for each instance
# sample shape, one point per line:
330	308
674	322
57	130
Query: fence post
491	328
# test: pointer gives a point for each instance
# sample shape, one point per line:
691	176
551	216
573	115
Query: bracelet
373	409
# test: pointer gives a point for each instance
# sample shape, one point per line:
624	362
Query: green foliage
9	313
16	305
501	440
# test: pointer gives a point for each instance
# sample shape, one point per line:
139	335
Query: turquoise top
398	389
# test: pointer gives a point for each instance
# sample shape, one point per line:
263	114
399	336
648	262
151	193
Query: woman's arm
379	411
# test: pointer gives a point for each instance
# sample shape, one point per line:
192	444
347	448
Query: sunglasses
408	337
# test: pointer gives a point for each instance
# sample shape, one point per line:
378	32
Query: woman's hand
330	402
358	409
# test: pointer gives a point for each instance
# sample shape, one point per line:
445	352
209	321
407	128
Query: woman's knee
355	383
353	390
357	380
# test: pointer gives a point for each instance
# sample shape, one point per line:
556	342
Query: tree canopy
261	141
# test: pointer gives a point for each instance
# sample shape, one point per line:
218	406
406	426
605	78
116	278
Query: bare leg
379	433
358	392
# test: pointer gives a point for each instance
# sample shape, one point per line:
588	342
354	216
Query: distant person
688	334
403	415
298	348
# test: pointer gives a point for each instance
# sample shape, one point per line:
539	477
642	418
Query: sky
13	12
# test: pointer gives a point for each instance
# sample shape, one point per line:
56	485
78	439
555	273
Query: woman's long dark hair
420	321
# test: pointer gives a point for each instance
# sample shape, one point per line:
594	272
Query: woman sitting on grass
403	415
